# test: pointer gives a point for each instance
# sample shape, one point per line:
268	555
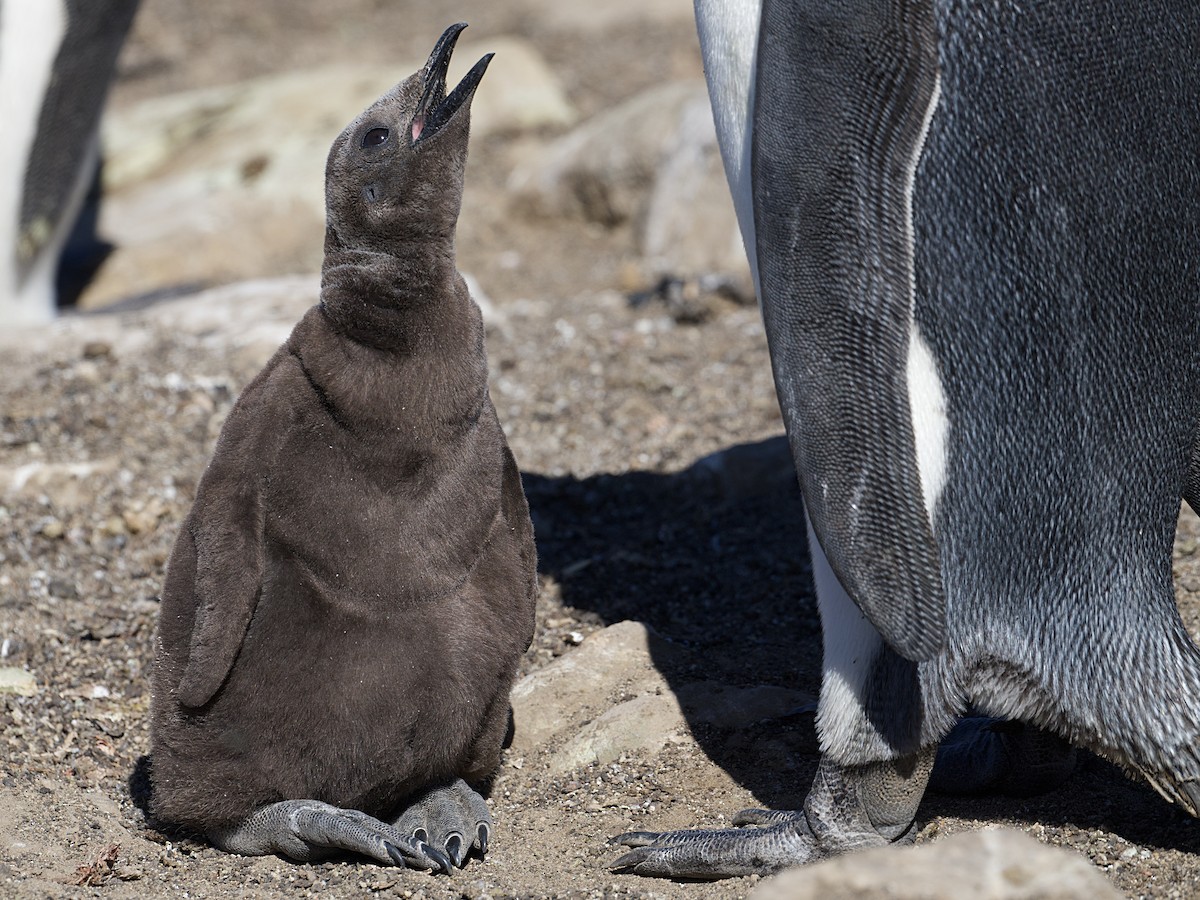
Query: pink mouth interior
418	126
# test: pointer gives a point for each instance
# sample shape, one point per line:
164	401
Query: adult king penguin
977	246
56	60
349	597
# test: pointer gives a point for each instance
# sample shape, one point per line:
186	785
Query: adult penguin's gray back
56	60
976	231
350	595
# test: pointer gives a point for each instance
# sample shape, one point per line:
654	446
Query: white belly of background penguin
56	59
977	240
349	597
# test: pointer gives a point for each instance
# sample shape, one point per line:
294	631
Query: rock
105	805
689	225
114	526
52	528
63	589
603	169
521	91
644	724
17	681
652	163
608	698
653	719
992	864
97	350
744	471
253	133
253	316
731	707
227	183
582	685
64	484
142	517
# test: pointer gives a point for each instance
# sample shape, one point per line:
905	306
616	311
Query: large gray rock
227	183
609	668
644	724
253	317
651	163
690	226
992	864
608	698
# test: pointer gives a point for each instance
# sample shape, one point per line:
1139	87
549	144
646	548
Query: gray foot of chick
848	807
450	821
996	755
308	830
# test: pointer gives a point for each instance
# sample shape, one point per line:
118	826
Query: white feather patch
851	645
930	425
31	32
926	399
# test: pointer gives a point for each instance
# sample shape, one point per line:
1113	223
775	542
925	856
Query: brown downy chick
348	599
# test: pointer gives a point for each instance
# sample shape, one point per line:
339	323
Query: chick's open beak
435	108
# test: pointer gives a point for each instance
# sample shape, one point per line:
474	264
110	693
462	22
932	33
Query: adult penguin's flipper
845	93
1191	485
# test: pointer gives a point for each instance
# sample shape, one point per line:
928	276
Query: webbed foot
848	807
448	822
983	754
718	854
308	830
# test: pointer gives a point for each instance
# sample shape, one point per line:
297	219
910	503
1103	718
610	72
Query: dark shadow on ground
714	558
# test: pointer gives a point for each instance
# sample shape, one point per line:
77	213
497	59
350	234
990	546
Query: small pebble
63	589
17	681
97	350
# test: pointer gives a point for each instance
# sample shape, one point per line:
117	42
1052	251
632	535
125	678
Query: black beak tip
471	80
444	47
435	108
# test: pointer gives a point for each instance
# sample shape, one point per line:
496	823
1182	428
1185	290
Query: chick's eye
375	137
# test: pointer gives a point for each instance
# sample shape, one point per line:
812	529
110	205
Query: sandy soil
604	403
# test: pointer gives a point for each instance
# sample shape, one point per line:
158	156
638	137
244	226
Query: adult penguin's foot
848	808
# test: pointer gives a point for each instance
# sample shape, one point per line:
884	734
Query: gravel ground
606	404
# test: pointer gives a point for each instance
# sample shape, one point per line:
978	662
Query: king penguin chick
347	601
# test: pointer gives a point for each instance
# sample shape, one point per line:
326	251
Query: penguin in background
349	597
57	58
975	233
